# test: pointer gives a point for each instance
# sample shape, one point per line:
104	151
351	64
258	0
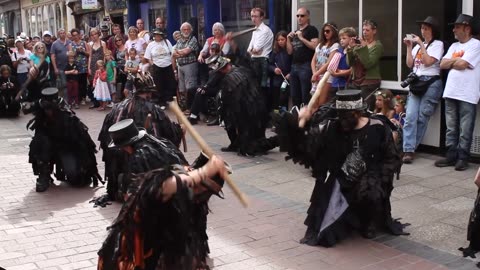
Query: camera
410	78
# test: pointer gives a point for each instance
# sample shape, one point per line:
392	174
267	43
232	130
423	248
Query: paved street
59	229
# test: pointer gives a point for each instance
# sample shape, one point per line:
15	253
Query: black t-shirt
301	53
68	68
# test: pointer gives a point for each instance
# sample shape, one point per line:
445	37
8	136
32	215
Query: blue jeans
460	117
419	111
300	83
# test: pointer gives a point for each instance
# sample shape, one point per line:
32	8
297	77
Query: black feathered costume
473	231
159	125
354	174
149	233
9	89
60	139
242	108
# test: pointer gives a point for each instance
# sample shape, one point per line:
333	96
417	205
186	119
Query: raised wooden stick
316	95
184	140
207	150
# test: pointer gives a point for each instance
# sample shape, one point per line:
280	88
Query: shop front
202	14
42	15
396	18
10	22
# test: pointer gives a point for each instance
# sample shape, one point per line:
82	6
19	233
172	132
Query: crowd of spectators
288	69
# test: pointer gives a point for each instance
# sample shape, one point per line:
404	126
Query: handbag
419	87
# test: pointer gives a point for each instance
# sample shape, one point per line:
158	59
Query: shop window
476	9
411	14
343	13
385	13
236	14
316	9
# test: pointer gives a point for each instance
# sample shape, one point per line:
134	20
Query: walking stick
184	140
316	95
207	150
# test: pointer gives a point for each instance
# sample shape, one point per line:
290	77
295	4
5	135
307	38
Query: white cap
23	35
19	40
46	33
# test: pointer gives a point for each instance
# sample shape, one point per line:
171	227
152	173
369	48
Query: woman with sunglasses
323	53
364	58
120	56
38	75
81	50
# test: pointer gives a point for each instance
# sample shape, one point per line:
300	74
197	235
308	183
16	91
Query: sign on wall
89	4
112	5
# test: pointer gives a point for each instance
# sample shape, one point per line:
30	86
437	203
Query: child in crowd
383	103
279	67
338	67
131	68
71	74
399	116
111	68
144	65
101	91
398	120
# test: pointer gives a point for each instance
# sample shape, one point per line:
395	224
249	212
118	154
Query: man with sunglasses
301	44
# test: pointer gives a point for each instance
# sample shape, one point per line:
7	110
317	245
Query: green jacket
369	58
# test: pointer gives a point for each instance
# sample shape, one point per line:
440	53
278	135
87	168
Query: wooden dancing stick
316	95
184	140
207	150
243	32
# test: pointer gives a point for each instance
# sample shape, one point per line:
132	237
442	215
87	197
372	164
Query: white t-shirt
464	84
23	66
137	44
435	50
323	53
160	53
262	39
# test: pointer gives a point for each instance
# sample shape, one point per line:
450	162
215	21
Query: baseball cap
19	40
46	33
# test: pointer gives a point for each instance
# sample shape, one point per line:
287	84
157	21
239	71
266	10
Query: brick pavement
61	230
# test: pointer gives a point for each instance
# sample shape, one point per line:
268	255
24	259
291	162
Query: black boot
43	183
43	180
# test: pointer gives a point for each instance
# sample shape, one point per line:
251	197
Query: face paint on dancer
348	120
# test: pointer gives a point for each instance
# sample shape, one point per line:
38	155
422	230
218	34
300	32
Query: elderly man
259	49
161	23
58	54
142	33
185	54
461	93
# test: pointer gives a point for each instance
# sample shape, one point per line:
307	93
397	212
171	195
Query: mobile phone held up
409	37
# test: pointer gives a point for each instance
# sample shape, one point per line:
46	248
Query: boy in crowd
71	74
131	68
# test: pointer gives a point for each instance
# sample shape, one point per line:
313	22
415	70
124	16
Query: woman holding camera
21	61
424	59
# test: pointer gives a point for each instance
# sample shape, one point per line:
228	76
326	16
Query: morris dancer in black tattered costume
137	108
354	159
473	231
242	108
60	139
161	226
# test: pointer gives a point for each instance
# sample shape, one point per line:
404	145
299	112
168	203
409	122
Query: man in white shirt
259	49
462	92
